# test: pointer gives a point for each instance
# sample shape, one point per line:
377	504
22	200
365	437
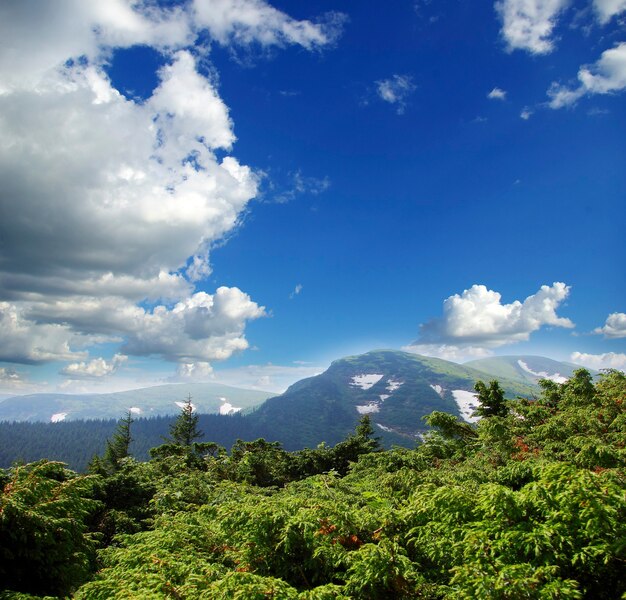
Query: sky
243	191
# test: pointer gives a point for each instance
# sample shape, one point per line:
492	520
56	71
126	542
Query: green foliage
43	514
491	400
184	430
529	503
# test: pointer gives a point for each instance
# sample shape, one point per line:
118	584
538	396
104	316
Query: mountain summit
395	388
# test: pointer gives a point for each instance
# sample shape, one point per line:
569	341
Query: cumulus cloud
608	360
497	94
98	367
528	24
10	379
606	76
110	206
458	354
607	9
614	327
28	342
478	318
396	90
197	371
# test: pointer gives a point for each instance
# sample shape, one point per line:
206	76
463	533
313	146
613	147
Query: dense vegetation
528	503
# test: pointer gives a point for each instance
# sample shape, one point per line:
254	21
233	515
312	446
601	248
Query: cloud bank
606	76
476	321
614	327
529	24
110	206
608	360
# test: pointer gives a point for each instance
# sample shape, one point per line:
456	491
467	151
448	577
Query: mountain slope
395	388
145	402
526	369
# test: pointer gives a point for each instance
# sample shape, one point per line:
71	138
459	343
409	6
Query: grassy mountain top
525	368
395	388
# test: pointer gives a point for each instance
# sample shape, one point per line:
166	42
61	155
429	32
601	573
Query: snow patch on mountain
227	408
183	404
383	427
366	380
58	417
366	409
556	377
438	389
135	410
393	385
467	403
383	397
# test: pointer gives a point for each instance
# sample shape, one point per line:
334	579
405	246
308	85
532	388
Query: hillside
395	388
153	401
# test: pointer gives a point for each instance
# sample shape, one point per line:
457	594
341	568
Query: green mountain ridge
526	368
144	402
395	388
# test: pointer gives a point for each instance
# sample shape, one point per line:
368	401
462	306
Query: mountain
395	388
527	369
144	402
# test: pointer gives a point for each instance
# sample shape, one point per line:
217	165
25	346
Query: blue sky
244	191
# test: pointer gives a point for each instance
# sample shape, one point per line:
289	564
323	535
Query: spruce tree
185	430
491	399
118	445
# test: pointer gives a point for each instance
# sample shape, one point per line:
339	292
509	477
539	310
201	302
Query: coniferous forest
528	503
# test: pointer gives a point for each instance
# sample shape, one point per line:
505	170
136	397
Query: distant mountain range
528	369
396	389
145	402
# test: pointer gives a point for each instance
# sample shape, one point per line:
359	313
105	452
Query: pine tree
185	430
492	402
118	445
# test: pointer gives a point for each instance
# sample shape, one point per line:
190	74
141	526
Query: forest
529	502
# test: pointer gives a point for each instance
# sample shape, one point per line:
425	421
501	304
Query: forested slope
528	503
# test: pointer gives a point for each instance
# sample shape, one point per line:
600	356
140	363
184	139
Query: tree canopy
530	502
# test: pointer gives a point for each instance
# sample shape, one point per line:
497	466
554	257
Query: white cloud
396	90
25	341
111	206
255	21
606	76
458	354
609	360
270	378
528	24
477	317
606	9
98	367
197	371
296	291
10	379
614	327
497	94
297	185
